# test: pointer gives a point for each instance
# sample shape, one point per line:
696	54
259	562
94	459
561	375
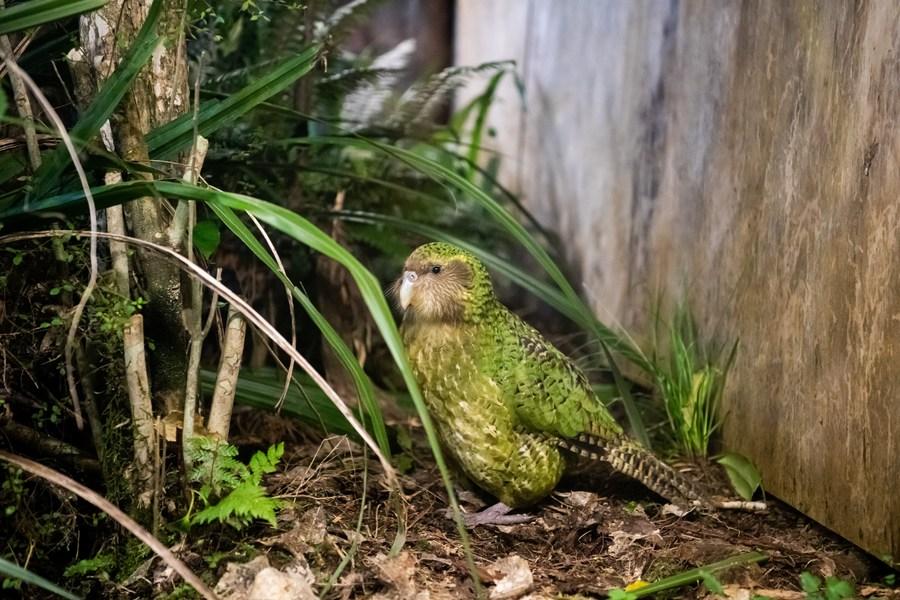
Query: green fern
239	508
231	491
215	467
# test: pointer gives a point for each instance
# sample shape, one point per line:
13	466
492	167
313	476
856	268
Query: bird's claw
498	514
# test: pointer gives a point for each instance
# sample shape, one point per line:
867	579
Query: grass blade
37	12
10	569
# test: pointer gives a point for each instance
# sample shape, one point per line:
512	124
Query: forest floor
587	538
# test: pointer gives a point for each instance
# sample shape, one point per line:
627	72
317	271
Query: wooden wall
746	156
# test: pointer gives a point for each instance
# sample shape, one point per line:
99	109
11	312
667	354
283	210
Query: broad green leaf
3	104
105	102
206	237
10	569
36	12
12	162
745	478
167	140
838	589
809	582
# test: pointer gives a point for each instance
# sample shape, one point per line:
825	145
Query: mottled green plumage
511	409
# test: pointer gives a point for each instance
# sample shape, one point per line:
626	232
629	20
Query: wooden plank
743	155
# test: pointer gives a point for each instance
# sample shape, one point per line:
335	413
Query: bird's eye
436	269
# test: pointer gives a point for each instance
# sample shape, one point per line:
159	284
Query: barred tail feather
627	457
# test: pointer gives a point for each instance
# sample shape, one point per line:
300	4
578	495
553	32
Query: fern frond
420	103
240	507
343	19
368	91
217	469
260	463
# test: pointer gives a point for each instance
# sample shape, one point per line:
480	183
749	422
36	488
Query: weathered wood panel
746	156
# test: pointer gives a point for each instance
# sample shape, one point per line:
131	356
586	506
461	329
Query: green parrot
512	410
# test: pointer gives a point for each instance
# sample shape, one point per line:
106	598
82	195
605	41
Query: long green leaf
363	384
167	140
484	102
106	100
37	12
10	569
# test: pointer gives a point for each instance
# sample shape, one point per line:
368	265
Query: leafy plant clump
690	380
833	588
232	492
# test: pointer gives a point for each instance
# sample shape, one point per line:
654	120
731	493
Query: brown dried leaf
513	577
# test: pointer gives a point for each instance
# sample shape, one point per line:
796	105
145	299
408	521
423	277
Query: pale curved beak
406	288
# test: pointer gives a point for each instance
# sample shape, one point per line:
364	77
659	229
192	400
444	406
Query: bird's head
441	282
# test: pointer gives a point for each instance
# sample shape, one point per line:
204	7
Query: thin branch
195	314
180	225
90	400
92	214
144	434
252	317
21	47
290	298
50	447
57	478
133	343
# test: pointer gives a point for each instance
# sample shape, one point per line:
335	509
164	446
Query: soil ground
592	535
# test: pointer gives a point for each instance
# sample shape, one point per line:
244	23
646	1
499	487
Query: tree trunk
158	95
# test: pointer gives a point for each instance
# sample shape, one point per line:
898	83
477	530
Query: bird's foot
498	514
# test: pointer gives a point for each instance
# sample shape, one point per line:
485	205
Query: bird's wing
547	392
